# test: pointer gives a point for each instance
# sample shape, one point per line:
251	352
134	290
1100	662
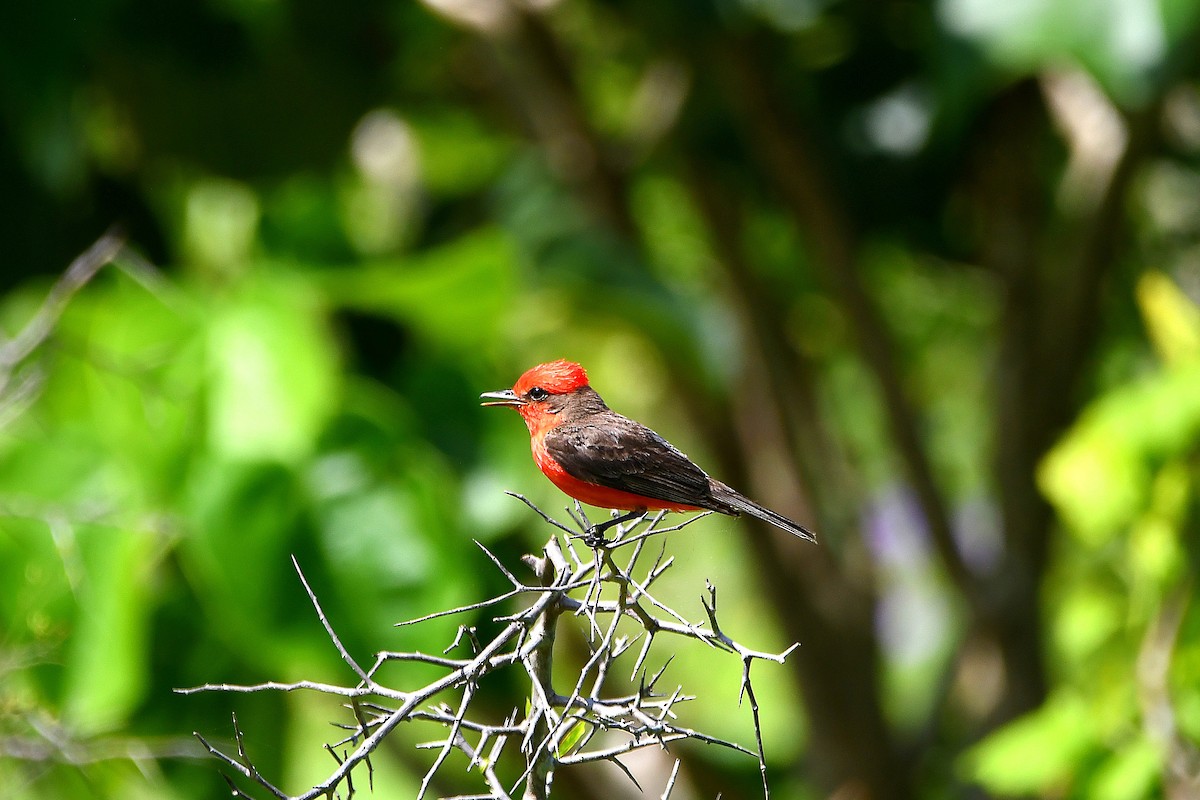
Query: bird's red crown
556	377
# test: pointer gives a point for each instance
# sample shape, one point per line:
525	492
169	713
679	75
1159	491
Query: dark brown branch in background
1011	219
786	159
846	723
841	683
540	82
1048	327
1047	331
791	378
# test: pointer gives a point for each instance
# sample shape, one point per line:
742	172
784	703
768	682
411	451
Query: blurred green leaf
106	661
1172	319
1087	617
459	294
673	230
572	737
274	370
458	153
1038	753
242	517
1131	771
1099	475
37	601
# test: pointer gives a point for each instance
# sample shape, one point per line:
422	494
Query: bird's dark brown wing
614	451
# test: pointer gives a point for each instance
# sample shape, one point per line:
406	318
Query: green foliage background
878	264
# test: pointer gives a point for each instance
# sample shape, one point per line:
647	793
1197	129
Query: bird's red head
537	394
555	377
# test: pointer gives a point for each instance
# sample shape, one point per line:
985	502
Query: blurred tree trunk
825	597
1012	215
850	746
1052	269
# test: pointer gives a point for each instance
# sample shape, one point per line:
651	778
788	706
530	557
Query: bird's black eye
537	393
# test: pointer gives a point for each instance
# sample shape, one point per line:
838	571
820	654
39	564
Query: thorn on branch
366	679
557	730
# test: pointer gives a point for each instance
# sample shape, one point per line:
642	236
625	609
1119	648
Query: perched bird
604	459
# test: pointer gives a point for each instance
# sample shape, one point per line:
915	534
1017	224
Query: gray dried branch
1181	770
82	270
576	577
20	382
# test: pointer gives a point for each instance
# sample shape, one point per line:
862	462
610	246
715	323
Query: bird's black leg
595	534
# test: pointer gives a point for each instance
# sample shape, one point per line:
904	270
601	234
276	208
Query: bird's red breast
591	493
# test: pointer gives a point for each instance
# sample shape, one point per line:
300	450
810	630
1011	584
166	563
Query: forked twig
576	576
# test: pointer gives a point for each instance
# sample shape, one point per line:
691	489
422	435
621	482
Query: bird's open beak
503	398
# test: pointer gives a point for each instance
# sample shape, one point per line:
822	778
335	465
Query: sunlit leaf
1172	319
273	371
1086	618
1099	475
1133	770
36	577
574	735
1037	753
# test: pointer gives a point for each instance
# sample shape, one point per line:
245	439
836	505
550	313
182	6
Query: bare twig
575	576
333	637
21	382
82	270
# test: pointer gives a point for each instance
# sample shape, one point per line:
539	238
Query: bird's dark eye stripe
538	393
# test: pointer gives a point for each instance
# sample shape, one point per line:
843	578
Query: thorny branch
604	584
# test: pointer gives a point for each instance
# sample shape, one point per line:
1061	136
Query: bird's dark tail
740	504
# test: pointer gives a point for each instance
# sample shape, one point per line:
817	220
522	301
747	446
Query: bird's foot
594	537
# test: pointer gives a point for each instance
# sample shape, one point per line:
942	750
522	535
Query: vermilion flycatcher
604	459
